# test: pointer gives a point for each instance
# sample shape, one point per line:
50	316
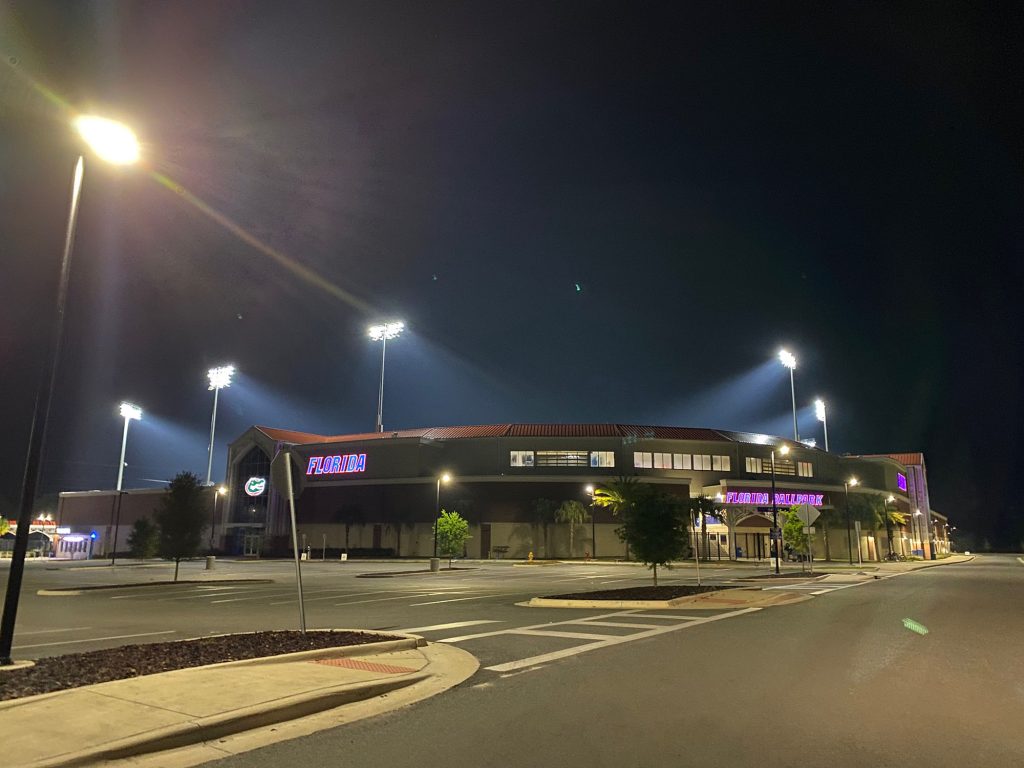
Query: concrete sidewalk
207	712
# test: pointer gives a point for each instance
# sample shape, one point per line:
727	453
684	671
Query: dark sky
583	211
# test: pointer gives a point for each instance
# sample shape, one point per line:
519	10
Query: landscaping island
640	593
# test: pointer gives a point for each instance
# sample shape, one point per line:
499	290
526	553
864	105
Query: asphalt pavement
924	668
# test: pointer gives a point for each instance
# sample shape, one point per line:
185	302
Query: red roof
906	459
506	430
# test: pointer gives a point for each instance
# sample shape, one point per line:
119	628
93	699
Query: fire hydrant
529	557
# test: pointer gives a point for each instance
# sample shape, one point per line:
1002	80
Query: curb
718	599
402	574
71	591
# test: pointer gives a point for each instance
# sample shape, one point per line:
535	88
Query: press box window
720	463
805	469
663	461
562	459
642	460
521	458
753	465
681	461
702	462
602	458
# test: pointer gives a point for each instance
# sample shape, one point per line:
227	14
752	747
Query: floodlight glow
222	490
446	478
221	377
891	499
111	140
787	359
854	481
130	411
589	489
386	330
819	409
784	450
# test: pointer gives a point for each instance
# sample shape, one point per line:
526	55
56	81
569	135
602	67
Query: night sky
608	212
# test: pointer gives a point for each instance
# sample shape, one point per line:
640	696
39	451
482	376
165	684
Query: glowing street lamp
382	333
221	490
219	378
115	143
819	411
445	478
128	413
788	360
775	510
849	525
589	490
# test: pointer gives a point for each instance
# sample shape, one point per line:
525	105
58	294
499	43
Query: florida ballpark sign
781	499
336	465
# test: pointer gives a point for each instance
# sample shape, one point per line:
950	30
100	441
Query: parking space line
51	631
382	599
451	625
615	624
546	625
456	600
554	633
97	639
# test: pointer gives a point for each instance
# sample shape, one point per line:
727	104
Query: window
663	461
726	464
521	458
562	459
602	458
642	460
681	461
753	465
720	463
805	469
702	462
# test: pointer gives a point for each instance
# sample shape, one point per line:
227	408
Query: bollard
210	559
435	564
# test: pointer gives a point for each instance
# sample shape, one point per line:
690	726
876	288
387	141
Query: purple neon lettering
312	465
361	465
350	466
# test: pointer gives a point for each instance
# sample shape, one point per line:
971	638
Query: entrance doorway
252	544
485	541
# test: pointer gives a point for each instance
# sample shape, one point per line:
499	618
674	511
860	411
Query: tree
543	515
144	539
574	513
701	507
793	530
181	517
654	525
452	534
617	495
5	526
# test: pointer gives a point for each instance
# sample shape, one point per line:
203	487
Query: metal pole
37	432
696	551
213	427
849	535
295	549
213	519
117	524
824	422
775	506
124	445
437	513
932	537
380	397
792	390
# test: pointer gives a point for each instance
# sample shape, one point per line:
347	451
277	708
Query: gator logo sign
255	486
336	465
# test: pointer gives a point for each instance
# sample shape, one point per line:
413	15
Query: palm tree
574	513
617	495
543	514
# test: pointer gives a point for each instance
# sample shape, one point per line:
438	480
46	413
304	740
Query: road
837	680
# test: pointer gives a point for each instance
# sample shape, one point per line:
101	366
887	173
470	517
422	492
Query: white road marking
50	631
275	593
615	624
334	594
567	652
546	625
552	633
452	625
98	639
456	600
382	599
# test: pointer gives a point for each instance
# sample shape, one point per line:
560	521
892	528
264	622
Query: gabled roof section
906	459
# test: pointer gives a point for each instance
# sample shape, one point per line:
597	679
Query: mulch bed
640	593
57	673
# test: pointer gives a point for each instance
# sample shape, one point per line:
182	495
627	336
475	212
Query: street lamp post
593	528
788	360
221	490
382	333
128	412
849	524
775	511
219	378
114	143
445	478
819	411
885	515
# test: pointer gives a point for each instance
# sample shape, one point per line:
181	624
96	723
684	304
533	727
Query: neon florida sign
781	499
336	465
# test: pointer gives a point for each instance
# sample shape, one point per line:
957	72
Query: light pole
219	378
114	143
593	528
788	360
885	514
382	333
128	412
819	411
221	490
445	478
849	525
775	510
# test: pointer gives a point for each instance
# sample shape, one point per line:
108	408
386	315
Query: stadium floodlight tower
128	413
382	333
819	411
788	360
220	378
